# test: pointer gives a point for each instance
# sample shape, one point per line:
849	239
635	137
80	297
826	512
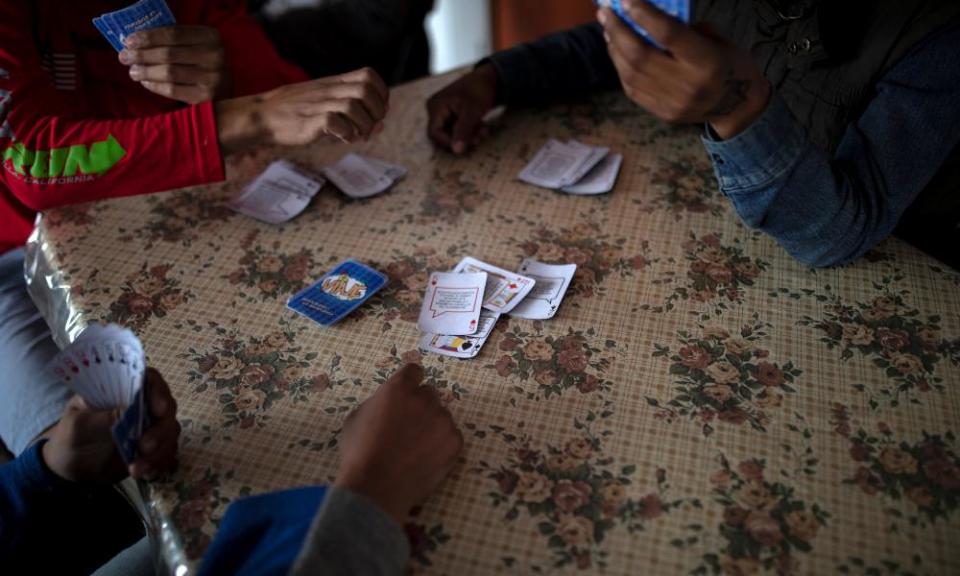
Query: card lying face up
461	346
504	289
279	194
338	293
452	303
361	177
552	281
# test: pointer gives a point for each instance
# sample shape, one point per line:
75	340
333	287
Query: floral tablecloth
701	403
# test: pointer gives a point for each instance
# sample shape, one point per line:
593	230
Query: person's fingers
173	36
675	36
464	127
635	52
332	123
210	58
351	111
159	398
406	379
174	74
441	115
362	93
363	76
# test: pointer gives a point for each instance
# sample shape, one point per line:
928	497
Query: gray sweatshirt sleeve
556	68
349	536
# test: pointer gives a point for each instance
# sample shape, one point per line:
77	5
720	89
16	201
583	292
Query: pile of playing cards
573	167
106	367
338	293
461	307
362	177
144	15
282	192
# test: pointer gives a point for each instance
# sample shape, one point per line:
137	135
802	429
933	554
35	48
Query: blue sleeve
557	67
829	210
25	484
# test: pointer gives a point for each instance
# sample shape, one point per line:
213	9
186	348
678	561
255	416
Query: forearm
557	67
351	535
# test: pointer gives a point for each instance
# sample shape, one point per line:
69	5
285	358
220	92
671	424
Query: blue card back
144	15
679	9
128	430
108	33
338	293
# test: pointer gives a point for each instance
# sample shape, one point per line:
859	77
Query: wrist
757	97
239	124
487	75
380	497
50	461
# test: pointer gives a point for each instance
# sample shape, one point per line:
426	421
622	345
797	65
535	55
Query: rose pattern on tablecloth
250	374
724	378
895	337
199	504
151	292
180	218
686	185
576	360
717	274
925	472
424	540
596	253
765	524
573	493
270	272
450	195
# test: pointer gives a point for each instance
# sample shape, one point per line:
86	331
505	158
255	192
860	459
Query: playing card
338	293
452	303
554	165
600	179
504	289
108	33
679	9
361	177
105	365
461	346
552	281
279	194
143	15
594	156
128	430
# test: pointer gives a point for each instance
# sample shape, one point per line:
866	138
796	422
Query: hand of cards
144	15
573	167
106	367
679	9
460	308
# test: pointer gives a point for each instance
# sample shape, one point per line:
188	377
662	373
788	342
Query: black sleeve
557	67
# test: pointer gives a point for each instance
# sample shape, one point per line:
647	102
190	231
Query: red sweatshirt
74	127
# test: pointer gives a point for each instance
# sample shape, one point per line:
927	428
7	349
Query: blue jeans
31	397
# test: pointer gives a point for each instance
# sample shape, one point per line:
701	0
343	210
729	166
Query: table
701	403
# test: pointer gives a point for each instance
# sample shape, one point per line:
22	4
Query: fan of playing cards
462	307
106	367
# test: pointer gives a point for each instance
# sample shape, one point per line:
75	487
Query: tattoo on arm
735	93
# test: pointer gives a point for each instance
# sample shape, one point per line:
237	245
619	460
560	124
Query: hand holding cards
679	9
106	367
573	167
143	15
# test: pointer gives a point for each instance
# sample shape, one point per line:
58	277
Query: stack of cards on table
679	9
144	15
362	177
279	194
338	293
461	307
573	167
106	367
